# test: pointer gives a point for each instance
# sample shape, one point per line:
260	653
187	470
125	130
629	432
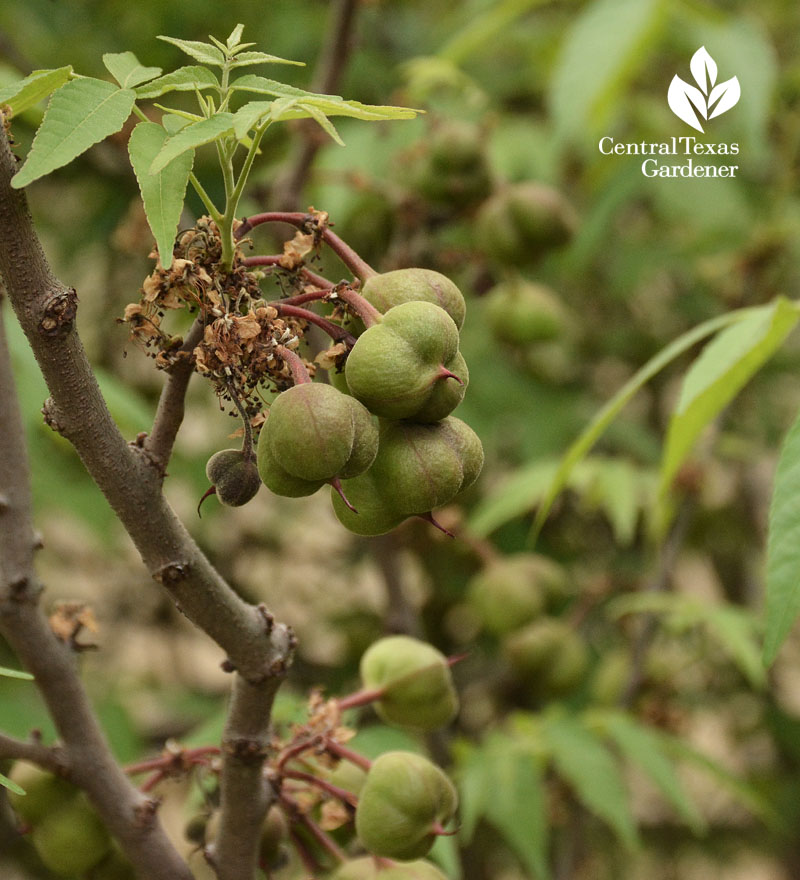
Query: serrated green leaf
592	433
19	96
79	114
162	193
783	548
172	123
203	52
184	79
589	767
516	804
244	59
603	46
725	365
194	135
5	782
322	120
331	105
127	70
250	116
15	673
235	36
645	747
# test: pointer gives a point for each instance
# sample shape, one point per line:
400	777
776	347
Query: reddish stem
152	781
360	268
360	698
333	330
362	307
337	486
306	856
297	816
339	793
444	373
212	490
428	517
296	365
301	298
348	754
295	750
316	279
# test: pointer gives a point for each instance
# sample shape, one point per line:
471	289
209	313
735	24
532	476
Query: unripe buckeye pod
415	680
71	839
415	285
234	477
404	804
522	312
44	792
408	366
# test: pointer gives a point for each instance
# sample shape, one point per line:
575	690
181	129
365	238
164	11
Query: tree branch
257	648
52	758
129	815
169	414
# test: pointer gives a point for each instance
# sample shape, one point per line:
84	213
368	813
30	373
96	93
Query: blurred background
619	723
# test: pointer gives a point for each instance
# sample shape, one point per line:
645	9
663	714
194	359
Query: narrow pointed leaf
5	782
592	433
783	547
250	116
202	52
244	59
644	747
194	135
127	70
15	673
184	79
236	35
19	96
590	768
163	192
725	365
322	120
79	114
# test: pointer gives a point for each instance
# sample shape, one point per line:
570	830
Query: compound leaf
164	191
590	768
194	135
19	96
127	70
184	79
205	53
725	365
79	114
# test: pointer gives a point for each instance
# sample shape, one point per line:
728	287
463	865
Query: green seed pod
279	480
418	468
375	516
408	366
521	312
366	868
415	285
520	223
44	792
273	833
235	478
115	866
416	682
612	674
422	467
549	655
315	432
513	590
71	839
404	801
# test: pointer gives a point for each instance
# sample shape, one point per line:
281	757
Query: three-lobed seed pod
234	477
403	805
408	366
418	468
522	312
314	434
415	682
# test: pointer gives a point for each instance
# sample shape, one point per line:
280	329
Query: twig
127	813
341	751
169	414
308	223
52	758
335	331
331	64
295	362
257	648
339	793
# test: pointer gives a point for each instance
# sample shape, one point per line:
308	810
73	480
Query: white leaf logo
708	99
